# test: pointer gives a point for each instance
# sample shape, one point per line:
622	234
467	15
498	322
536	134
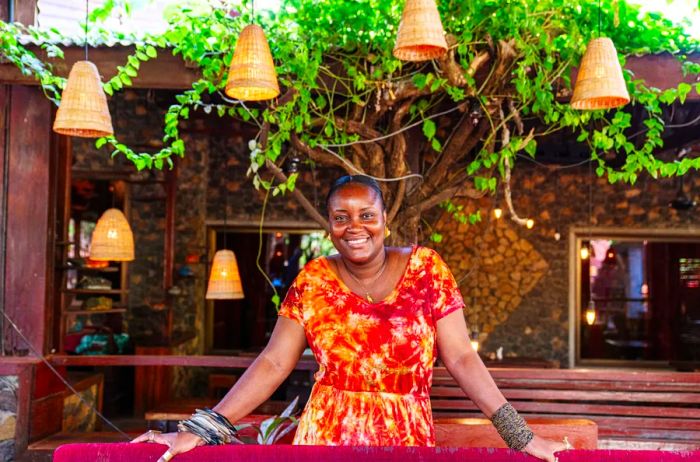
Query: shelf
113	310
109	269
96	291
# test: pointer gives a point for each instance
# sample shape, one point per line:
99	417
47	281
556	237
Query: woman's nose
355	223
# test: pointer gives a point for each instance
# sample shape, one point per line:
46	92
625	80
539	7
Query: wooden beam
169	72
165	72
167	360
4	121
663	71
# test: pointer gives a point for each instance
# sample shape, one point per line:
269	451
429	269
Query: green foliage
274	428
13	51
334	59
314	245
457	212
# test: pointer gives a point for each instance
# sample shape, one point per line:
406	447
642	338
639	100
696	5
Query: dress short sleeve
446	295
292	305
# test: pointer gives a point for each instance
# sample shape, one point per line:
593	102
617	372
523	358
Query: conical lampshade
599	83
421	36
112	238
252	75
224	280
83	110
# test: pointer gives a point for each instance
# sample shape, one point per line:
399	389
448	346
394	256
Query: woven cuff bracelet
211	426
512	427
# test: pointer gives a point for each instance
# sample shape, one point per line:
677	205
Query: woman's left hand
545	449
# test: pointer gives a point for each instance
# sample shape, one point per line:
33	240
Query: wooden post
24	11
169	243
25	212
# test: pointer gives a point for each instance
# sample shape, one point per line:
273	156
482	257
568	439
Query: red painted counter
125	452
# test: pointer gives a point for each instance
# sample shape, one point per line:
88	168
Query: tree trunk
404	229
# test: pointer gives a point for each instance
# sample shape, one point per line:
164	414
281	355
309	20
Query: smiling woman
375	318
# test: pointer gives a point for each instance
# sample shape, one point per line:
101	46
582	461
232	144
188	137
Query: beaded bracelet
211	426
512	427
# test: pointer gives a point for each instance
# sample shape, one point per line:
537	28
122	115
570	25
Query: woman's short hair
354	179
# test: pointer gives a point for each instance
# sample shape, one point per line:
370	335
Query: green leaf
683	90
420	80
151	51
429	128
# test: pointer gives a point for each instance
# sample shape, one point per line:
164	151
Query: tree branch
298	195
320	156
465	138
397	201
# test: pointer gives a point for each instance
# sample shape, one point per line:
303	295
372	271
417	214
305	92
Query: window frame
236	226
576	237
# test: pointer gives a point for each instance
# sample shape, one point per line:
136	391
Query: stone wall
210	177
8	416
515	280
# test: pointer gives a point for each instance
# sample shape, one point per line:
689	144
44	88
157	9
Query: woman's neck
368	269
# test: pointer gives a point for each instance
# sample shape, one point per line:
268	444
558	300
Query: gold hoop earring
387	232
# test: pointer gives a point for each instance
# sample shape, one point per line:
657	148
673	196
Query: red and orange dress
376	359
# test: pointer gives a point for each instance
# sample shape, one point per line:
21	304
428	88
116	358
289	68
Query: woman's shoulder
313	270
425	253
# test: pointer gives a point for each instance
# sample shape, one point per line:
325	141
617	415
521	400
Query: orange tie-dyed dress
376	359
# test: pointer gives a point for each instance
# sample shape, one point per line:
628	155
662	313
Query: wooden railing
630	405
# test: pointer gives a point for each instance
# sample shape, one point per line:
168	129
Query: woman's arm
267	372
467	368
465	365
259	381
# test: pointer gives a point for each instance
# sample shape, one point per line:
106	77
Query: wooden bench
657	407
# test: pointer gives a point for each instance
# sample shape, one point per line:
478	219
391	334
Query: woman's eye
368	216
339	218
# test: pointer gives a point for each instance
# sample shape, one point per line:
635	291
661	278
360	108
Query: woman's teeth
353	242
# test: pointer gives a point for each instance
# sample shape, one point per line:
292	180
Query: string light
497	213
584	253
530	223
590	313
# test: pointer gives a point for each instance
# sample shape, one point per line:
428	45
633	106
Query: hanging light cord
87	2
590	230
225	205
599	18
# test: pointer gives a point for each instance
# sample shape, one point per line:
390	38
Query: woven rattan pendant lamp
252	75
83	110
224	279
421	36
112	239
599	83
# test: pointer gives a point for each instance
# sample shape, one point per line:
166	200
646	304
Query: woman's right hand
177	442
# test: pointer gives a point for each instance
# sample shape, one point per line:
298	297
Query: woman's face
357	220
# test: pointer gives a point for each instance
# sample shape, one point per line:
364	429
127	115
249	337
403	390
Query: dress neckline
391	296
